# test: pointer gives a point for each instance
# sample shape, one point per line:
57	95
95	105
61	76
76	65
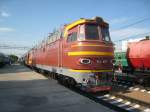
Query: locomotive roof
98	20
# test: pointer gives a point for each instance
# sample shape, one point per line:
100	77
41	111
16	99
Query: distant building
121	46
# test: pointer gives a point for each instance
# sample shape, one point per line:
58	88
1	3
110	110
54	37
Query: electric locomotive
80	53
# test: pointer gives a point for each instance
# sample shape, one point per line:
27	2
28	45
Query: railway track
121	102
118	102
130	86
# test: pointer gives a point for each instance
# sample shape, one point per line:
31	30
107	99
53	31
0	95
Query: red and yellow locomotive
79	53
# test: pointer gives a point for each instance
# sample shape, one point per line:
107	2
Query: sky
27	22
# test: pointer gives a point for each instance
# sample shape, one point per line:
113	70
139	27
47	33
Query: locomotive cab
87	30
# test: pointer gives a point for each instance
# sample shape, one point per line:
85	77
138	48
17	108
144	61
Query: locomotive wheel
141	81
61	80
53	75
146	82
72	82
38	70
67	81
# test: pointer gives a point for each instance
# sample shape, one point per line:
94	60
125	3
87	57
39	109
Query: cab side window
72	37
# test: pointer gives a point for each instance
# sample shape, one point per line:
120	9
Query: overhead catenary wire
132	24
19	47
129	25
133	36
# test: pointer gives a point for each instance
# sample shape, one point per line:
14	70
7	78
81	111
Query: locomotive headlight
84	61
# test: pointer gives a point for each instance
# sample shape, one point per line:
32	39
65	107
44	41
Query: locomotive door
67	41
65	49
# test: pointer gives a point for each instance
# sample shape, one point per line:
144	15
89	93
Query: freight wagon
136	61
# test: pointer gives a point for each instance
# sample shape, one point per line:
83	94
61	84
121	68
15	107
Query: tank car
138	54
80	53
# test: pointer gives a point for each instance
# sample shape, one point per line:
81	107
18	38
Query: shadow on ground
31	95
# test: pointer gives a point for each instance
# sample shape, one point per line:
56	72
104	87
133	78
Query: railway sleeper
145	104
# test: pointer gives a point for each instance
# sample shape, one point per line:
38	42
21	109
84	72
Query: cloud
6	29
124	33
4	14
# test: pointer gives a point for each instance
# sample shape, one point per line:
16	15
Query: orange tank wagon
80	53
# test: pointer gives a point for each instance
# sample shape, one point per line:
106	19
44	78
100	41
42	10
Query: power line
7	46
17	48
127	26
134	36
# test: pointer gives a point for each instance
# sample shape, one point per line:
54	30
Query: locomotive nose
91	56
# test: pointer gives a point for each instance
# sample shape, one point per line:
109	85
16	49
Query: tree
13	58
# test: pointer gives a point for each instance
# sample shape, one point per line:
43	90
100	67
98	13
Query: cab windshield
93	32
105	34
